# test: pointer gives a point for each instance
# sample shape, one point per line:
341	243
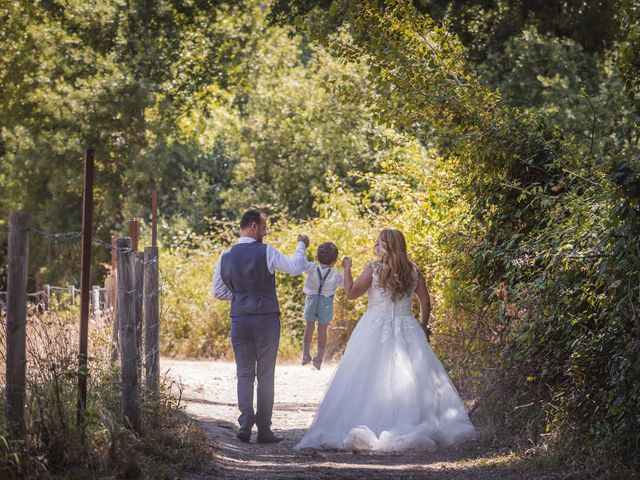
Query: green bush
195	324
540	254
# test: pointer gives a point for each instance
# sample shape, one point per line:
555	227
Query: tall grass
55	447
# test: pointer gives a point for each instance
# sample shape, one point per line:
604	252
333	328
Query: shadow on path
237	460
209	394
282	406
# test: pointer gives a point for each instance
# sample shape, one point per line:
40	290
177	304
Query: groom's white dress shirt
275	261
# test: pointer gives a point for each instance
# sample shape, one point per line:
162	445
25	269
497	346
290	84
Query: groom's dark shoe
268	437
244	435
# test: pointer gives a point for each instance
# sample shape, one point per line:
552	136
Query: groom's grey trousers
255	341
255	326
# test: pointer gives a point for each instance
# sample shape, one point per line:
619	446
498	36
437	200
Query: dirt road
210	396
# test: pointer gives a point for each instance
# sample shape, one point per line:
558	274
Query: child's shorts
318	307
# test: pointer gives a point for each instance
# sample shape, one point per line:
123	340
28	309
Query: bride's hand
346	263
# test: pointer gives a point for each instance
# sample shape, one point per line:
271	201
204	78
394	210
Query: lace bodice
381	302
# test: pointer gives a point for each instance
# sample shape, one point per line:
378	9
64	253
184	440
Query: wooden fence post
138	269
127	329
95	307
47	297
151	320
110	285
16	321
134	232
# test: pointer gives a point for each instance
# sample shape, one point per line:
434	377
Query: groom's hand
304	239
346	263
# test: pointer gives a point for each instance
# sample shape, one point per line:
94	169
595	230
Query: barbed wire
56	235
102	243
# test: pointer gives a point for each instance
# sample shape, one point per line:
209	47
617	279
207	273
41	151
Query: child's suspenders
322	279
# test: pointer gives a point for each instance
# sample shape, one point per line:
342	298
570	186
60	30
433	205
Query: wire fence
59	236
129	302
101	306
46	294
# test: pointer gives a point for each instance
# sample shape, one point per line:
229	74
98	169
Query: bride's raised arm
353	290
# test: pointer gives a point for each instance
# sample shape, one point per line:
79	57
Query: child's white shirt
332	282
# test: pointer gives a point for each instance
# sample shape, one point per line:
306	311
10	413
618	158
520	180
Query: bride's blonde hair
398	273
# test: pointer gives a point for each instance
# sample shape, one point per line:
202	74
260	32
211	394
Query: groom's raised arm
293	264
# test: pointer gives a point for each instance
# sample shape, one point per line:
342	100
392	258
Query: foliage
83	74
545	258
213	106
193	323
198	325
501	137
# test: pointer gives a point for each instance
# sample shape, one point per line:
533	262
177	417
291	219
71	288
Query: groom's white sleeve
219	289
293	264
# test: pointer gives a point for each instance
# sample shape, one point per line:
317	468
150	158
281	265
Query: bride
390	392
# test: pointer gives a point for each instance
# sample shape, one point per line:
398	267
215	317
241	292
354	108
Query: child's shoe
317	360
306	353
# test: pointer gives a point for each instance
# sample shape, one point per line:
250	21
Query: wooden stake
110	285
16	322
138	281
127	330
47	296
151	320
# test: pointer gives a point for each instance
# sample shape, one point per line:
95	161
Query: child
322	282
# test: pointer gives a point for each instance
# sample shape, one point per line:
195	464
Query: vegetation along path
209	395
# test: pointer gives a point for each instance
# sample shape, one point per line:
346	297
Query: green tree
533	255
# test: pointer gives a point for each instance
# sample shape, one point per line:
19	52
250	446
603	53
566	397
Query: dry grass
54	447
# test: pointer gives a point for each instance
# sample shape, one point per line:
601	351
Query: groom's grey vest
244	271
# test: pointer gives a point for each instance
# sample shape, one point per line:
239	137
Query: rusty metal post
154	218
113	253
85	282
134	233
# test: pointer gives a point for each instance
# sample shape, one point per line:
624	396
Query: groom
245	274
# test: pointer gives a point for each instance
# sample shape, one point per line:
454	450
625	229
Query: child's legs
325	315
322	336
308	331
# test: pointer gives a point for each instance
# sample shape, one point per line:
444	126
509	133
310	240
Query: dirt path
210	396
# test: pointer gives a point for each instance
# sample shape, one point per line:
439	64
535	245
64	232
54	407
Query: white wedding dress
390	392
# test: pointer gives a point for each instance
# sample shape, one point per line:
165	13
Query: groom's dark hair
249	217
